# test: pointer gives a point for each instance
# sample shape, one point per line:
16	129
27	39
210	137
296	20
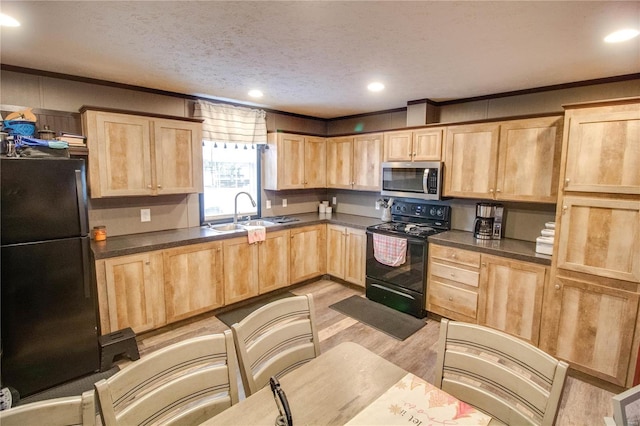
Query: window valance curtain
227	123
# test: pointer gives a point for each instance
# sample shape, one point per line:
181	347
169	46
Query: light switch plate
268	204
284	202
145	215
335	200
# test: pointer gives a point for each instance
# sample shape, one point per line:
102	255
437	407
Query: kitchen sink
227	227
258	222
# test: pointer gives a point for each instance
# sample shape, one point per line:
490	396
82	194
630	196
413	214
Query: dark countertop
506	247
136	243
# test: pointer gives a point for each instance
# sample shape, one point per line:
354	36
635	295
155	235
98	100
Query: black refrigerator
49	324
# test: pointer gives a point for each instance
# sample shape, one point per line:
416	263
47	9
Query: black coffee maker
483	225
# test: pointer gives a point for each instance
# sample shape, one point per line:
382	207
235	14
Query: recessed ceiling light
376	86
255	93
8	21
621	35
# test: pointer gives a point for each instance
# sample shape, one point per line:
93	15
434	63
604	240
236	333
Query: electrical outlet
284	202
145	215
335	200
377	206
268	204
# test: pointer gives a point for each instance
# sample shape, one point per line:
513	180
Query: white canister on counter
322	208
328	210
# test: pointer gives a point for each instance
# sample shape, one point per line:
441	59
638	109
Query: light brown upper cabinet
603	149
294	162
353	162
529	160
133	155
416	145
514	160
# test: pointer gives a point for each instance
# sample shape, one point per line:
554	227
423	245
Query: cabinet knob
453	256
453	274
414	154
498	190
564	209
557	286
566	181
147	263
159	186
483	264
148	186
450	298
491	190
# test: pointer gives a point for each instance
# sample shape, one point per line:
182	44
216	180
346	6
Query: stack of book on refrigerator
73	139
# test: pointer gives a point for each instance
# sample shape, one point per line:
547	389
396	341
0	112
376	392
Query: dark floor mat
238	314
72	388
388	320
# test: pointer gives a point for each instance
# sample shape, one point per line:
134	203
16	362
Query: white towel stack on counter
544	243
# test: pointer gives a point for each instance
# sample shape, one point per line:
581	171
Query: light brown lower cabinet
273	261
148	290
453	282
498	292
258	268
346	253
193	280
590	322
510	297
130	292
308	252
240	270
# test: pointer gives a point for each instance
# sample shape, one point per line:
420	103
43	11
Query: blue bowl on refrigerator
20	127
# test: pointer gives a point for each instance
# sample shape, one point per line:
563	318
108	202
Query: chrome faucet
235	209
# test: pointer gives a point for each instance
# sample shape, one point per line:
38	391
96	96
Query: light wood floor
582	403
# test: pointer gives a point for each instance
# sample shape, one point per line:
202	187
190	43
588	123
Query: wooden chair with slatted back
275	339
184	383
72	410
508	378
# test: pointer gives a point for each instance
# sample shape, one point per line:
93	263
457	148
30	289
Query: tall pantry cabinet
590	314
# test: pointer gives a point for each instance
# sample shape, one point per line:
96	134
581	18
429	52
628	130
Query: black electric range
402	285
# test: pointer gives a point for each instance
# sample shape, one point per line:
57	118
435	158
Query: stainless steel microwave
421	180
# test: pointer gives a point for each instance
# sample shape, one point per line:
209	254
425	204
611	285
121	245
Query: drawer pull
453	274
450	298
557	286
453	256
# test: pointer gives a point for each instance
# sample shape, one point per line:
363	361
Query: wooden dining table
331	389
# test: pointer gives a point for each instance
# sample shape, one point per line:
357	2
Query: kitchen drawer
452	299
463	257
453	273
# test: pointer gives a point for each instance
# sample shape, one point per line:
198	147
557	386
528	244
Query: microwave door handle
425	178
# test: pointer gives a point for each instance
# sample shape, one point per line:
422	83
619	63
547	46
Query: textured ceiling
316	57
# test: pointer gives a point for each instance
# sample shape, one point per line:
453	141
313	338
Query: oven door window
403	179
410	274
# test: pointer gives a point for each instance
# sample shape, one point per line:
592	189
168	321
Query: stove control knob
432	212
403	208
440	212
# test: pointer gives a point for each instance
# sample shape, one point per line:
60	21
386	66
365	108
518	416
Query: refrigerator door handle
84	226
85	268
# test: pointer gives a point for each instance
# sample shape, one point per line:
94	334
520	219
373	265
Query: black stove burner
411	229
